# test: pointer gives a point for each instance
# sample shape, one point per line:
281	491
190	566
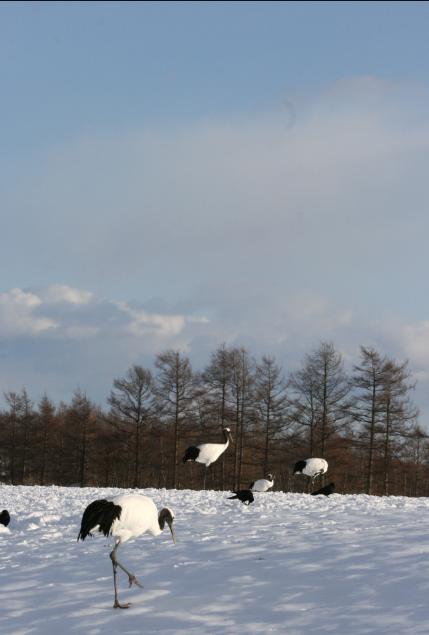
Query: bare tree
416	450
132	402
217	384
369	380
271	402
303	384
242	382
26	424
322	397
217	378
13	417
46	418
80	419
398	410
175	385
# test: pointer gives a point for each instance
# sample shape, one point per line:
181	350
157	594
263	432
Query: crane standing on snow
208	453
262	484
312	468
125	517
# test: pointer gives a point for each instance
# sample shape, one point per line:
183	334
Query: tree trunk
176	443
137	456
13	452
45	443
387	452
324	412
237	442
267	435
371	443
83	458
223	419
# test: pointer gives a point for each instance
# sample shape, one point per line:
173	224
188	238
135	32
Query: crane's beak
230	437
173	531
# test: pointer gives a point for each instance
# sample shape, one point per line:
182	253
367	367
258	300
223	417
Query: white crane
208	453
262	484
312	468
125	517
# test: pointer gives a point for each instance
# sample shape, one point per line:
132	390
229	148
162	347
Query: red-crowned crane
262	484
208	453
312	468
125	517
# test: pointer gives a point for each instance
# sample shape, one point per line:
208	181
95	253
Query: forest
364	422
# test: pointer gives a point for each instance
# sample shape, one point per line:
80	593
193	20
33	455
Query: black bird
326	491
244	495
4	518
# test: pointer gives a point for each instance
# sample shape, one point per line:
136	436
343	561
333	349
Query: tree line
364	422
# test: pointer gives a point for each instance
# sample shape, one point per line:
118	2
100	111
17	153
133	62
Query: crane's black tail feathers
191	453
299	466
102	514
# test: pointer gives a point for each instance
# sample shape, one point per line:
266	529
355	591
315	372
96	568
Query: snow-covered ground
289	563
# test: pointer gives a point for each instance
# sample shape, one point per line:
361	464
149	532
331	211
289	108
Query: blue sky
183	174
73	67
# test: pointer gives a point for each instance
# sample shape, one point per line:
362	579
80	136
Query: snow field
290	563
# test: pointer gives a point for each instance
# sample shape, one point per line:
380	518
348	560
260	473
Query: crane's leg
131	577
205	474
116	604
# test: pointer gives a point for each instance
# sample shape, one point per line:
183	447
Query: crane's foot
133	580
118	605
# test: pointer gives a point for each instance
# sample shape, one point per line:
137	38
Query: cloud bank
273	231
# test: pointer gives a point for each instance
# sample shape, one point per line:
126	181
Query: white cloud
20	298
143	323
58	293
25	312
108	336
414	340
18	316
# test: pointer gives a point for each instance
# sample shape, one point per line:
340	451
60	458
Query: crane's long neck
226	438
166	516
